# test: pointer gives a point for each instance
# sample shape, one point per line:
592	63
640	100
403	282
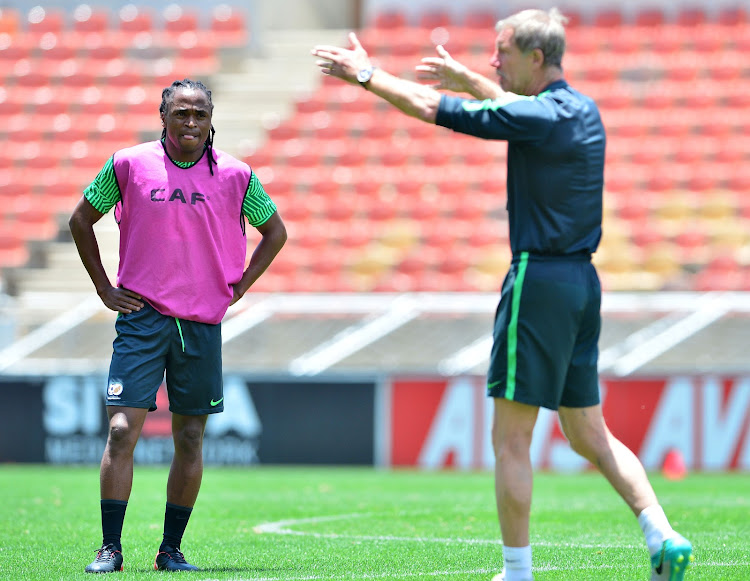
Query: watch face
364	75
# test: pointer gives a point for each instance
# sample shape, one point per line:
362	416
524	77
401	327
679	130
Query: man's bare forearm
412	98
481	87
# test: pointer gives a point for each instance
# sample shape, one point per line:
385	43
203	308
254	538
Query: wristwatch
364	75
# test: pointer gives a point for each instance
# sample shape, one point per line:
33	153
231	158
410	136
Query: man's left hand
447	71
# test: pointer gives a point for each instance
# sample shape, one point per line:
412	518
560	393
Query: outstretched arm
412	98
447	73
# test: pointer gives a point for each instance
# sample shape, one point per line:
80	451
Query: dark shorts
150	344
546	336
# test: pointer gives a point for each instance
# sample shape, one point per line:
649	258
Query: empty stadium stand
377	204
339	163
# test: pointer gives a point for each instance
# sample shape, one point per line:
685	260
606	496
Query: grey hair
542	29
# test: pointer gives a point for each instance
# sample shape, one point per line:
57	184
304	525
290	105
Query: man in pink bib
181	206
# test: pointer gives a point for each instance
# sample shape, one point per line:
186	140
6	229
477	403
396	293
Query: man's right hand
121	299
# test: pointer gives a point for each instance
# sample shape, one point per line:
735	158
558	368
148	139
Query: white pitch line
540	568
282	527
384	575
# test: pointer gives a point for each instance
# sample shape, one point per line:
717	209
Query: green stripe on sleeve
493	104
257	205
103	193
510	389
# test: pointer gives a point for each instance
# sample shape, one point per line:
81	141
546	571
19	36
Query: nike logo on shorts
215	403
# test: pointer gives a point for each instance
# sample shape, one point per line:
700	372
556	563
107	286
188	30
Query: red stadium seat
42	20
342	209
584	42
17	49
31	80
356	233
435	157
15	196
62	196
178	20
650	17
198	60
389	20
721	280
13	250
304	159
418	208
691	16
381	211
36	224
415	262
733	150
41	162
480	19
454	261
312	104
435	18
228	26
135	26
608	18
352	157
624	42
732	16
57	52
9	20
487	233
394	158
575	18
81	80
87	19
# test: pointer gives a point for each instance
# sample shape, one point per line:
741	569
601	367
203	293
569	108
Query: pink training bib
182	239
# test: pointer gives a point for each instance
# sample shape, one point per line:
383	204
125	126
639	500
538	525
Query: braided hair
167	95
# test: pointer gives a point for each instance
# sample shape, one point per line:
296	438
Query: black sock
113	515
175	520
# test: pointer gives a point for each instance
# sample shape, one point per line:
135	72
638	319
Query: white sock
517	563
655	527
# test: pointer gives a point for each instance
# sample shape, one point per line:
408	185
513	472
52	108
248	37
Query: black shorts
150	344
545	350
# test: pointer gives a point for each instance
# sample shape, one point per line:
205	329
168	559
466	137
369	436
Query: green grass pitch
305	523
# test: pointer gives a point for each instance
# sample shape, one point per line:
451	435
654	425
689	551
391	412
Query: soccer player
181	206
547	325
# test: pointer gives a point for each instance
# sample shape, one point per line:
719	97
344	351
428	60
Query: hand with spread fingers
447	71
341	62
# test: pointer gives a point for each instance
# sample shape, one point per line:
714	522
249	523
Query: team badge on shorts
114	390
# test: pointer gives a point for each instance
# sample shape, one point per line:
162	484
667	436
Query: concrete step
262	91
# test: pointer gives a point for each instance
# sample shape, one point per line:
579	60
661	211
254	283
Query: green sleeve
103	192
257	206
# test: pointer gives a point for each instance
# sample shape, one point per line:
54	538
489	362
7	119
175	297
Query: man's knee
590	443
510	443
122	437
188	438
512	429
